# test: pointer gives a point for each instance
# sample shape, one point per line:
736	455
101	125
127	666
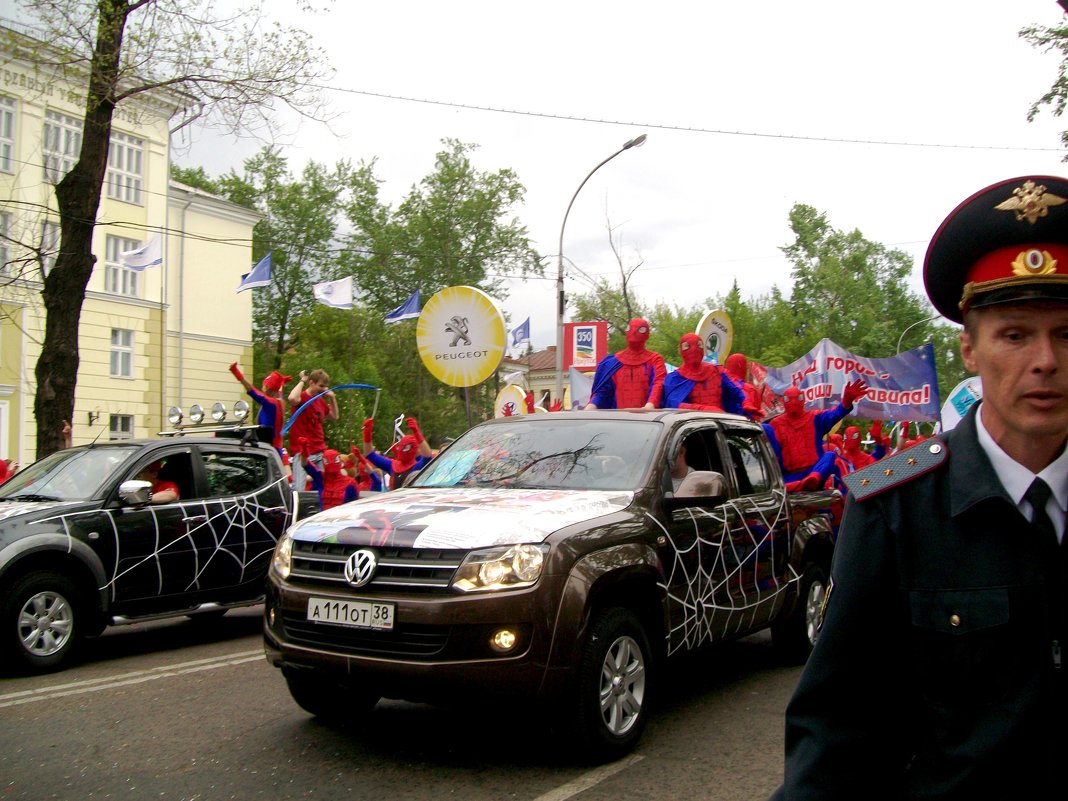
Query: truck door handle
195	519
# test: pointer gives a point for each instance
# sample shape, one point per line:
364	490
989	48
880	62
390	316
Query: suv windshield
74	474
547	453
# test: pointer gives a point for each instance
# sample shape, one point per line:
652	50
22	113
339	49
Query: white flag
335	293
149	254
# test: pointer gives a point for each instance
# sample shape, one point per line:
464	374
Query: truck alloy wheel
41	616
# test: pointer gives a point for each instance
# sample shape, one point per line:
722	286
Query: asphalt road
190	711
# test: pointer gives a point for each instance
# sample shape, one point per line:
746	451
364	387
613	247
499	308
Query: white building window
120	426
122	342
7	134
49	246
62	143
5	243
125	175
118	279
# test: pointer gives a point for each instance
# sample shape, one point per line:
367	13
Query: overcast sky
749	108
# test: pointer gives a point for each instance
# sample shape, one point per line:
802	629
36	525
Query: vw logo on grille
360	568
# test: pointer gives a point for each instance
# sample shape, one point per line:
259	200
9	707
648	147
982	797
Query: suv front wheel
612	684
41	620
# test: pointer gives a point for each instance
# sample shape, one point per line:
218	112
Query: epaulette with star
896	469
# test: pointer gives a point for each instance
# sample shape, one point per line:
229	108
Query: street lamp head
637	141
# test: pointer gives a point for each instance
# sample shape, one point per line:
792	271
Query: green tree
456	228
1055	39
848	288
227	69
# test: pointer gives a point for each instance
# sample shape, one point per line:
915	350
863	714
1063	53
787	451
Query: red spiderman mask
637	334
404	453
793	403
691	350
331	462
736	366
852	439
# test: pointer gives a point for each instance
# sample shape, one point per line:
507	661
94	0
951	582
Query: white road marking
588	780
124	680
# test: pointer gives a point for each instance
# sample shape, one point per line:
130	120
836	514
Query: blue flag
409	310
260	275
521	333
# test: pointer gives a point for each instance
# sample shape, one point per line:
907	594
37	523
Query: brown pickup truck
551	558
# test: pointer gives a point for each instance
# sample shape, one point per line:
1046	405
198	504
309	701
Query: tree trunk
78	199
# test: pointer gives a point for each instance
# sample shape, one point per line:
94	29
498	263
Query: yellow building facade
148	339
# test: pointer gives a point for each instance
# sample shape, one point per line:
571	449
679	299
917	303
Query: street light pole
638	141
909	328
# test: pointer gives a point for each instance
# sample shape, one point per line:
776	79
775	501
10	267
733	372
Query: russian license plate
361	614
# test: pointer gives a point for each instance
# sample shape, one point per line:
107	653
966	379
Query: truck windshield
547	454
74	474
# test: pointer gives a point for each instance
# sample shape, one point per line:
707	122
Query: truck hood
15	515
457	517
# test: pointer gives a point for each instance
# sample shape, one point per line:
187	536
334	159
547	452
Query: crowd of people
338	477
810	452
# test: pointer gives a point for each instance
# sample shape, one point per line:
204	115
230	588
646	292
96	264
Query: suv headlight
507	567
283	556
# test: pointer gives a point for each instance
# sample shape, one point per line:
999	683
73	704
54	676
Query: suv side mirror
135	492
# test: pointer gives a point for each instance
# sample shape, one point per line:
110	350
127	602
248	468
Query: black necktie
1038	495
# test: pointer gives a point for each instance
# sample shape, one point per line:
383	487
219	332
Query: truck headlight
503	568
283	556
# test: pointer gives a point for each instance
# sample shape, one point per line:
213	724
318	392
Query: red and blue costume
698	384
333	486
737	368
272	411
406	456
632	378
797	438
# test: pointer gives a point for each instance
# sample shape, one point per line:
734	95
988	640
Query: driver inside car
162	491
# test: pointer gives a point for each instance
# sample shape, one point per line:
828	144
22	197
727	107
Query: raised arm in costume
797	437
272	411
409	453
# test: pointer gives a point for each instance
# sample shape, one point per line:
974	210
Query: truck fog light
270	617
503	640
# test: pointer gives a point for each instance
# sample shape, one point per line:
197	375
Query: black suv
83	547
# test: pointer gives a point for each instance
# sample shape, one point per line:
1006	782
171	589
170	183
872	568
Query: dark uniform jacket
934	675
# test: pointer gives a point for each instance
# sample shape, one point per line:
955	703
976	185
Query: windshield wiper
29	496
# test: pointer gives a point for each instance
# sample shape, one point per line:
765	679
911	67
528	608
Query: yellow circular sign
460	336
717	332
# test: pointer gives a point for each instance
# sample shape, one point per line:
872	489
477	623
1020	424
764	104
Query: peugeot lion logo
360	567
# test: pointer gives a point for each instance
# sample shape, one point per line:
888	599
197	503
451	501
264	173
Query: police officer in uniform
939	672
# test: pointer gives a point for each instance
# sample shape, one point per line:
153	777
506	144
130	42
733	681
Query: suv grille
405	641
412	569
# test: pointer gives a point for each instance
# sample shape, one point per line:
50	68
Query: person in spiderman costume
334	486
363	471
856	455
272	410
698	384
409	453
796	437
737	367
632	378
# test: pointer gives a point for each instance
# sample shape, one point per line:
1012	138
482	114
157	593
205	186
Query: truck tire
794	636
332	701
612	687
42	621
